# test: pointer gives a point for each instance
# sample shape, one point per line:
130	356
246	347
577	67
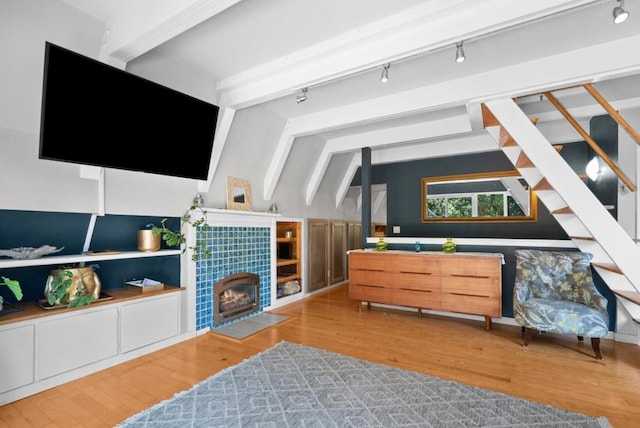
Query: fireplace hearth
236	295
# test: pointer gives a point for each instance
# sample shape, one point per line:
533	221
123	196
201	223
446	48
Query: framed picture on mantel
238	194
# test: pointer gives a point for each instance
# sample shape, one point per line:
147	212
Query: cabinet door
338	251
149	321
74	341
318	254
16	357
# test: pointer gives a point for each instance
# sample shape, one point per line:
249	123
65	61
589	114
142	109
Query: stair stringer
586	216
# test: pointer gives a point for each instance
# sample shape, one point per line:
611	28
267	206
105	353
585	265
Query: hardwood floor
555	370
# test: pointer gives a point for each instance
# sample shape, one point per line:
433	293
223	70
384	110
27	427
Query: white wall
28	183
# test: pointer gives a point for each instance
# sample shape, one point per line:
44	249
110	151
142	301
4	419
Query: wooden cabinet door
338	252
318	254
354	236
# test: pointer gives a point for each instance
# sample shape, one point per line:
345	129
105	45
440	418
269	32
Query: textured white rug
292	385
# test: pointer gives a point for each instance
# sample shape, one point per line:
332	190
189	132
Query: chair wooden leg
580	338
526	335
595	344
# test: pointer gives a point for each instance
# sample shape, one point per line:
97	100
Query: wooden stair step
524	161
563	210
543	184
488	119
583	238
505	139
632	296
608	266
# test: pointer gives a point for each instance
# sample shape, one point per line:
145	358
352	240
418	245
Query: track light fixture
384	77
459	53
302	97
619	13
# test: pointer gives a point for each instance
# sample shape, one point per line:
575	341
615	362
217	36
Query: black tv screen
96	114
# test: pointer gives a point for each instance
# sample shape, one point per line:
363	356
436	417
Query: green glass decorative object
449	246
381	245
417	247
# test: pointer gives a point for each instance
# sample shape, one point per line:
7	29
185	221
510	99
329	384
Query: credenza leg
368	305
487	323
419	312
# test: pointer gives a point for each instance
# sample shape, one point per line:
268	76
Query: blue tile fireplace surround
234	249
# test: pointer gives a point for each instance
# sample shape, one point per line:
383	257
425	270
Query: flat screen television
96	114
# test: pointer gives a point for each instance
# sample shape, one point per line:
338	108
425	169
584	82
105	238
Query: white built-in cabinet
48	348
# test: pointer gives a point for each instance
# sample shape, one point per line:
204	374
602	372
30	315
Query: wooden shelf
289	261
286	262
285	278
32	310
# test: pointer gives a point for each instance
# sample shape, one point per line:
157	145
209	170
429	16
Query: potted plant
73	287
15	288
175	237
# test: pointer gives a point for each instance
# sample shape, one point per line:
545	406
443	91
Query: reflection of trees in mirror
497	196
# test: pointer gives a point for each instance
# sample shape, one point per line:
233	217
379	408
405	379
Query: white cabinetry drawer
74	341
16	357
149	321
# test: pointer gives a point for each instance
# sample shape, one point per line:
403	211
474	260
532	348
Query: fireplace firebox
236	295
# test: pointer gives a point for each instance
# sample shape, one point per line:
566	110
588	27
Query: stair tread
563	210
633	296
608	266
583	238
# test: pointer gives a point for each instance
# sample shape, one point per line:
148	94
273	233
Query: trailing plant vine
176	237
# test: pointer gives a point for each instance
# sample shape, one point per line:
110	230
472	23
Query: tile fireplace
236	295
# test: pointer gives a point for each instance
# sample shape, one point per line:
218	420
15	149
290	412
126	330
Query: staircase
616	255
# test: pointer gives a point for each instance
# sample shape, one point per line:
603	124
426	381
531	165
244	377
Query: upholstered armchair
554	292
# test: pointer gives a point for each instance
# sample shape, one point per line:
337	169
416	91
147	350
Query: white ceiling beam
563	70
399	134
343	188
426	27
225	119
140	27
474	143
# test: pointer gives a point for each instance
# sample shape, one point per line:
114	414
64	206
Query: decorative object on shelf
144	285
238	194
288	234
381	245
198	201
72	287
291	287
147	240
273	209
23	253
15	288
417	247
174	238
449	246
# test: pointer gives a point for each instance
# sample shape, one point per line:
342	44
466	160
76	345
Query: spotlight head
384	77
460	57
619	15
302	97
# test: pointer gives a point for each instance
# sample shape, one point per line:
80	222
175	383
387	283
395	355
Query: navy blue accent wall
604	131
68	230
404	202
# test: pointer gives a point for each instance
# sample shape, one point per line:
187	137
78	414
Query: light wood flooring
555	370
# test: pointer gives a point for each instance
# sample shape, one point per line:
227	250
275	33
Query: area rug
292	385
248	326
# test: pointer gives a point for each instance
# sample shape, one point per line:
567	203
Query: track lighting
303	96
384	77
459	53
619	13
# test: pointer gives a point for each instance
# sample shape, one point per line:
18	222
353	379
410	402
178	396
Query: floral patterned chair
554	292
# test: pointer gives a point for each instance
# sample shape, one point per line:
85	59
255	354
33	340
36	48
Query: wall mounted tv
96	114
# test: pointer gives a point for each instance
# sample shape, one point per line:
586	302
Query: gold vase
84	281
147	241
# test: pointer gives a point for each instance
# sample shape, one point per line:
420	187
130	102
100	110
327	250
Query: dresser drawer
475	305
416	299
488	287
370	294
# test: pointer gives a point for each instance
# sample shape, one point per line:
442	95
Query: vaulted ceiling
264	52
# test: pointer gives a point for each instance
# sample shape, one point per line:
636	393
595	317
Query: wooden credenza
469	283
